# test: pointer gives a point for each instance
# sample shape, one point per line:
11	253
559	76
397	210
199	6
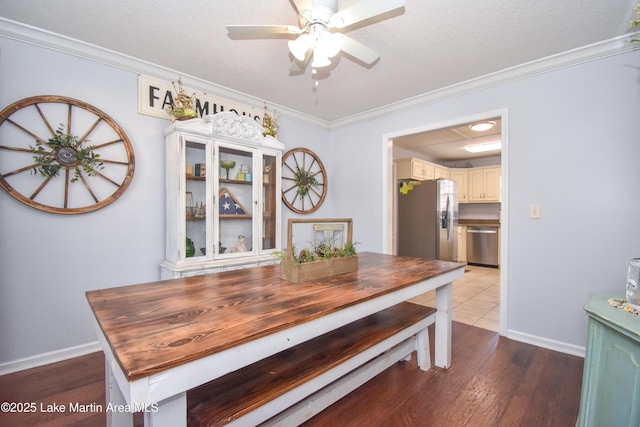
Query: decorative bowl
227	164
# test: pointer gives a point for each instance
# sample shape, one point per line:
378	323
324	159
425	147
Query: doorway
450	136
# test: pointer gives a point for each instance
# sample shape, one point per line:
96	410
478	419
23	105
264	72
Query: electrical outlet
534	211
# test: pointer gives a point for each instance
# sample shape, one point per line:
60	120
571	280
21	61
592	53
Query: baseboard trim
50	357
560	346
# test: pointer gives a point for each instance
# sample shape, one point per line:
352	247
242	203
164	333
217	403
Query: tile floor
476	298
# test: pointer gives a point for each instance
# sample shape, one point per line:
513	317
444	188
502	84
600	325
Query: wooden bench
291	386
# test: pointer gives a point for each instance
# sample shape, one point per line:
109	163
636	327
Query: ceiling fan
318	31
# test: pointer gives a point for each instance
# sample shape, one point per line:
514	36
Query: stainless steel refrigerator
428	220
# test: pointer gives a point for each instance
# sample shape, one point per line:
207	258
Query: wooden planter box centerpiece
294	270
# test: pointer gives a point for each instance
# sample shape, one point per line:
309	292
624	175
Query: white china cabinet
223	186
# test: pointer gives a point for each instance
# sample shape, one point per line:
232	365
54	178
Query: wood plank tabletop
155	326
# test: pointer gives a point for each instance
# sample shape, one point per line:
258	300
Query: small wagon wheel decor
304	180
62	155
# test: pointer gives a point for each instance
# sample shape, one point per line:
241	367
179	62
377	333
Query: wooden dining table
163	338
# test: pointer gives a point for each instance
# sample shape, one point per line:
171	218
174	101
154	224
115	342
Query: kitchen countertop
491	222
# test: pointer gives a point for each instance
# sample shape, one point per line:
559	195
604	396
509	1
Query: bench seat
303	380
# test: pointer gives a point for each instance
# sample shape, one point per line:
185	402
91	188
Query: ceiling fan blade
362	11
263	29
359	51
305	8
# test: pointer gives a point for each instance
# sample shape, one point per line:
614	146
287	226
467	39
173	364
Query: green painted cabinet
611	379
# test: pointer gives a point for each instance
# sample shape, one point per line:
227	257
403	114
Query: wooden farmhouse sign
154	95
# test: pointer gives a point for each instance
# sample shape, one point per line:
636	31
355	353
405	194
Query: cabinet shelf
222	180
235	181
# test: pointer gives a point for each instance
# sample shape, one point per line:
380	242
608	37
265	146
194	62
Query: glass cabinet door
196	200
269	200
235	202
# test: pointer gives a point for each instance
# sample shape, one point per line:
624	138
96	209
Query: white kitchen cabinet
413	168
441	172
218	220
484	184
475	185
461	176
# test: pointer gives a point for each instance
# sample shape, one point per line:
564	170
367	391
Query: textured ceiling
448	144
424	47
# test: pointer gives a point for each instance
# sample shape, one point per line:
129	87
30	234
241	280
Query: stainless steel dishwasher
482	245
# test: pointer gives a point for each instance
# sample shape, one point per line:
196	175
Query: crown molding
566	59
57	42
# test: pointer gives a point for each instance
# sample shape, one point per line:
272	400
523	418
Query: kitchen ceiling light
481	148
479	127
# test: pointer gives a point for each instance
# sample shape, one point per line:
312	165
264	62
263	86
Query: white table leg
171	412
115	399
422	349
443	326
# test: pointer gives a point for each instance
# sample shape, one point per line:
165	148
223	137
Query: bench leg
423	350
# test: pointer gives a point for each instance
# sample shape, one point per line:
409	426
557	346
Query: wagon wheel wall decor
304	180
61	155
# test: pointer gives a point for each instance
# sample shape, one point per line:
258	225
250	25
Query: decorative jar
633	281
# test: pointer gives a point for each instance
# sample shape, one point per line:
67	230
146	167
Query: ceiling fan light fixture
330	43
481	148
482	126
316	19
320	58
300	46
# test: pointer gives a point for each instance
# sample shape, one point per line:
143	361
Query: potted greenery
270	124
323	251
183	106
322	260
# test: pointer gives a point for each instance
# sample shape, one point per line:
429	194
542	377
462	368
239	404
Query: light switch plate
534	211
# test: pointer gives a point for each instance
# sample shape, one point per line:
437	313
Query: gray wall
572	148
48	261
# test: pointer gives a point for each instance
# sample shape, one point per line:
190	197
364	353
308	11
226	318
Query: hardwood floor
493	382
